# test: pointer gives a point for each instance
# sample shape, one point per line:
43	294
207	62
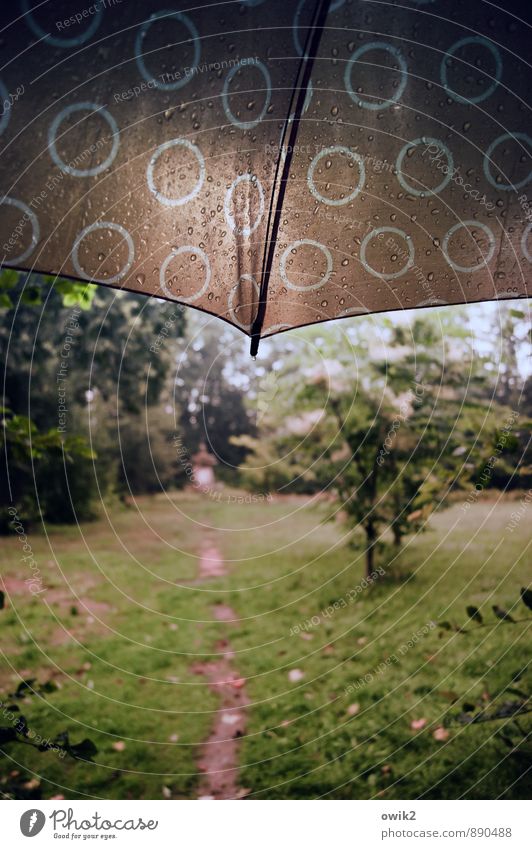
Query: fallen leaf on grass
441	734
231	718
296	675
450	695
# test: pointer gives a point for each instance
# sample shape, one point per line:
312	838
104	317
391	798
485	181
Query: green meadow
354	691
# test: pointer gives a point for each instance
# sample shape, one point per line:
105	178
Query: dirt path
211	563
218	756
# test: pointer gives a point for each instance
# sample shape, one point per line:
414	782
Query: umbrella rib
291	121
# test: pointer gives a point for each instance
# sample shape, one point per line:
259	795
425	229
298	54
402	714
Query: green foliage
34	472
500	708
31	291
18	730
63	453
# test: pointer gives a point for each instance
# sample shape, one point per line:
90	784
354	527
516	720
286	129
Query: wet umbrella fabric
273	163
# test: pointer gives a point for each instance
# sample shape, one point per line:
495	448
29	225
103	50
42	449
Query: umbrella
275	163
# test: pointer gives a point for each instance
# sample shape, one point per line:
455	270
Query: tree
79	361
391	420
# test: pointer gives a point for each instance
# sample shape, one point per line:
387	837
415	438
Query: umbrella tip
254	346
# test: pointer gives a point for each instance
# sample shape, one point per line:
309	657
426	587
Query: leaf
242	793
474	613
296	675
31	296
440	734
5	301
74	293
7	735
21	726
526	596
502	614
83	751
23	686
8	279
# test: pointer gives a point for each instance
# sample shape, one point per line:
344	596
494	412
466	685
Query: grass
120	625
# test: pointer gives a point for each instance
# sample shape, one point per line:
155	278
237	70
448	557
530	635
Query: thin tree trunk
370	548
397	535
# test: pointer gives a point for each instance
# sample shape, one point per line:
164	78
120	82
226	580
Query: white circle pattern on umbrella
380	231
484	261
139	56
375	105
57	41
67	168
104	225
487	161
463	42
330	151
247	125
424	191
164	199
195	251
286	255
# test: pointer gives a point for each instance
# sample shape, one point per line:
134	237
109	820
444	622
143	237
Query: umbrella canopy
273	162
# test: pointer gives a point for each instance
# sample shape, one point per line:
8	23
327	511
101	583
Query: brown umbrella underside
324	158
